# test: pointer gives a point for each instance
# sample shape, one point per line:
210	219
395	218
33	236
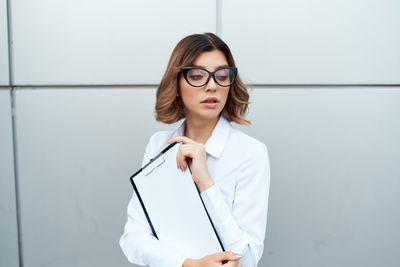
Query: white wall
85	74
8	211
335	181
314	41
4	74
101	42
77	149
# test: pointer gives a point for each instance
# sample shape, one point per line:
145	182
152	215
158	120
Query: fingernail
237	256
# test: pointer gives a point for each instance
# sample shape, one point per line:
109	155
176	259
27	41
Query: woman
230	168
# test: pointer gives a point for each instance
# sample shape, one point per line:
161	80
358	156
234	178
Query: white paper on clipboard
174	207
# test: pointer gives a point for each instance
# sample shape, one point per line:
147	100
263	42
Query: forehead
211	60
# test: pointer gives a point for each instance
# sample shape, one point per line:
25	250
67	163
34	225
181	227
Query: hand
195	154
214	260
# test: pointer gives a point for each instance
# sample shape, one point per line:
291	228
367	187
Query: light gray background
79	111
4	74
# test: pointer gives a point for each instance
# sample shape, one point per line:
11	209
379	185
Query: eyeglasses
198	76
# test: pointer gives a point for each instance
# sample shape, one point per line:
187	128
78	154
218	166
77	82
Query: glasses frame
185	70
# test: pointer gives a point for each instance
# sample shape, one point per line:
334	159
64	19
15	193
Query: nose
211	85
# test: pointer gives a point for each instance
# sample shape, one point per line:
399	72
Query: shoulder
243	150
245	143
251	155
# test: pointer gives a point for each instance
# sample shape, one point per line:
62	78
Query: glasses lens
225	77
197	77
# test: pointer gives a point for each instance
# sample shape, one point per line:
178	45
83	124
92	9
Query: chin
211	115
204	114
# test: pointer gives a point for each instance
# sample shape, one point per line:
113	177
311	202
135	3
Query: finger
188	150
177	161
181	158
228	255
181	139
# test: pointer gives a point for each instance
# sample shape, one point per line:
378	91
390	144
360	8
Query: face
206	102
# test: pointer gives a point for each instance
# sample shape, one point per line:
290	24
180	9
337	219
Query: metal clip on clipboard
153	164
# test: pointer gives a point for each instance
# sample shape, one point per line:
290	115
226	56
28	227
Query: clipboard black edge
208	215
144	208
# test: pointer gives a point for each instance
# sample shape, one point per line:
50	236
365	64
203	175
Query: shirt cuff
230	234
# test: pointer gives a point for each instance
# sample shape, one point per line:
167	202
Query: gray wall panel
8	215
314	42
101	42
335	184
77	151
4	77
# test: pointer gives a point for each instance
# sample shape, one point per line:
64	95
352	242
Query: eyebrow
220	66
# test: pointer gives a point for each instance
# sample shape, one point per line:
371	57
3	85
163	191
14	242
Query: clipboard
174	208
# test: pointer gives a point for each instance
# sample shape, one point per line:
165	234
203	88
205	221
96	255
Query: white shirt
237	203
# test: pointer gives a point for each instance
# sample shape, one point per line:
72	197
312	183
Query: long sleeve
241	227
139	244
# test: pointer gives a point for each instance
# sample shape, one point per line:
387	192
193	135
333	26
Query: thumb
228	256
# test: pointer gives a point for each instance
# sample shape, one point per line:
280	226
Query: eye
222	77
196	77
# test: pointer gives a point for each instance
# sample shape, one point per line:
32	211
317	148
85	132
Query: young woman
230	168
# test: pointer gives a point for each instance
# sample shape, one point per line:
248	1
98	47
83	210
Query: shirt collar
216	143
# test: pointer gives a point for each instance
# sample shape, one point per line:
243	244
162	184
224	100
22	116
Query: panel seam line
13	129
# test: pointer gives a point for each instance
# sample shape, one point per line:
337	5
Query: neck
199	130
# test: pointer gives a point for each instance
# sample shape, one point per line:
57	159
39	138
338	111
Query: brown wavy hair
169	107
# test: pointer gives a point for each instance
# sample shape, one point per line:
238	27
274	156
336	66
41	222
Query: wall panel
8	214
77	150
313	41
335	183
4	75
101	42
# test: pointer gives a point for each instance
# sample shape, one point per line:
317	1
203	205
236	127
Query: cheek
225	94
185	91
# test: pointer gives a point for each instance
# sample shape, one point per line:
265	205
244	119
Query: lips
210	100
